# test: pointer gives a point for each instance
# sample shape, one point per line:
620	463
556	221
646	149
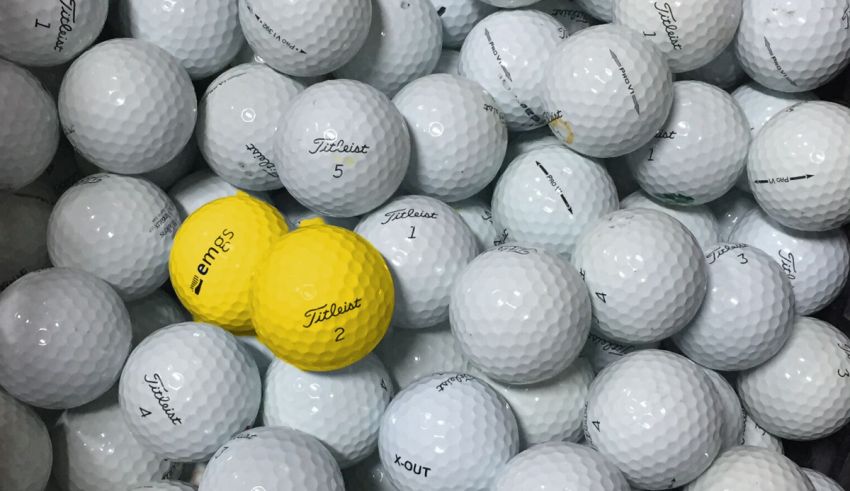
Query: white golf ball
690	34
756	436
607	90
796	47
23	247
729	210
238	117
560	465
29	127
64	336
510	4
731	408
119	228
699	153
747	468
201	187
127	106
161	486
410	354
657	417
303	37
449	62
760	104
817	263
550	196
601	9
646	275
294	213
187	389
798	166
724	71
697	219
520	314
46	32
369	475
568	12
202	36
748	312
426	245
447	431
403	44
153	312
459	17
508	54
27	452
95	450
341	408
458	136
601	352
479	218
803	392
552	410
820	482
342	148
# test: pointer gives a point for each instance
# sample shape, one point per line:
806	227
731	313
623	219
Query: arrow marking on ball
555	185
774	180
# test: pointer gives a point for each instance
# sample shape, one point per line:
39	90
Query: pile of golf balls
424	245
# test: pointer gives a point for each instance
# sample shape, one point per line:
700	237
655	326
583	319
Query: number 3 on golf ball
323	299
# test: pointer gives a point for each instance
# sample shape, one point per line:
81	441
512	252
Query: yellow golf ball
215	254
323	298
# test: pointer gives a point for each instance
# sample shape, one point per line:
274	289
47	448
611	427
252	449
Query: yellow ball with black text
214	256
323	299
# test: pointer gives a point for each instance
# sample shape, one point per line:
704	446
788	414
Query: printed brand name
159	391
325	145
459	378
221	245
788	263
393	215
67	19
668	20
626	80
263	162
325	312
715	253
409	466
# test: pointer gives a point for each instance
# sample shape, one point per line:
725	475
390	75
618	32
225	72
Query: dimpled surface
127	105
163	177
295	213
426	245
520	314
601	9
656	416
323	298
150	313
261	354
507	53
237	120
478	217
211	383
95	450
409	354
646	275
730	407
701	150
567	12
23	246
747	314
690	34
608	91
341	408
64	335
601	352
215	254
201	187
24	445
756	436
161	486
47	32
305	38
793	45
748	468
550	196
723	71
119	228
697	219
760	104
799	166
510	4
729	210
458	17
449	62
817	263
29	127
820	482
202	36
369	475
403	44
552	410
342	148
803	392
564	466
272	458
458	137
447	432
